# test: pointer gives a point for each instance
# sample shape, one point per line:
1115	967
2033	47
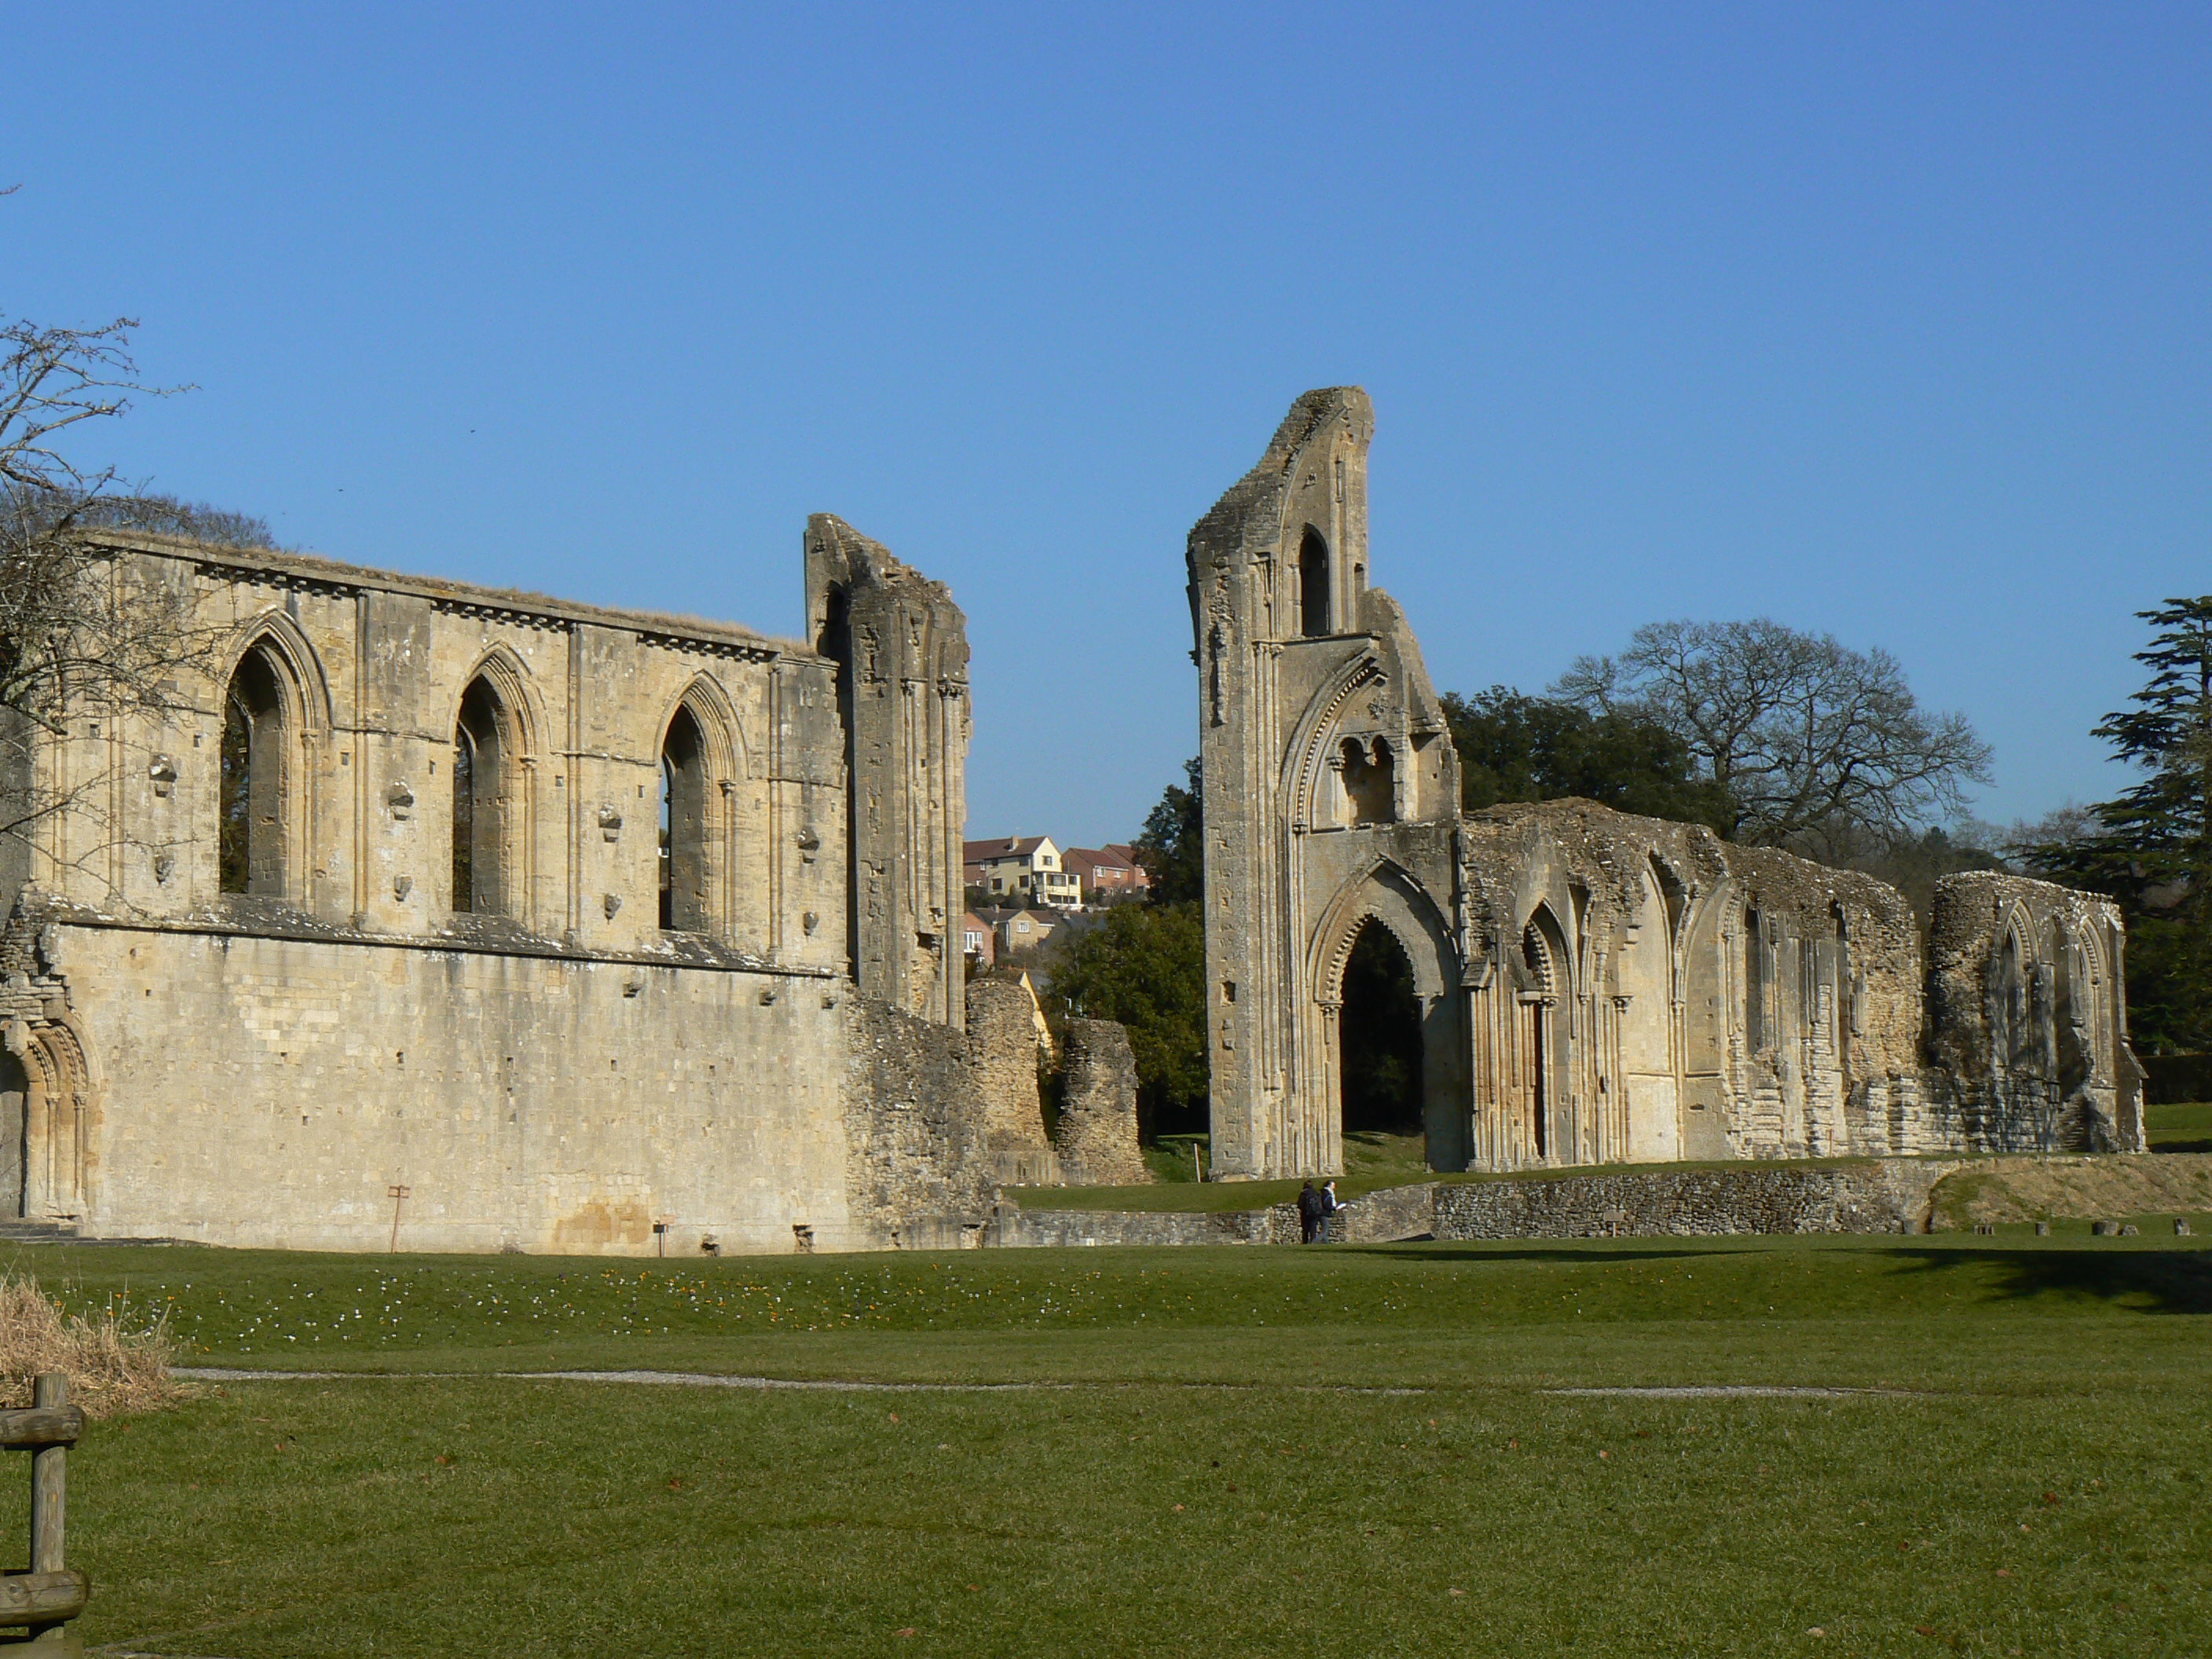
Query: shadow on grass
2148	1280
1423	1251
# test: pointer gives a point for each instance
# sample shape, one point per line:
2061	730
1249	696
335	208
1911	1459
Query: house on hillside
1018	868
1024	930
978	943
1107	873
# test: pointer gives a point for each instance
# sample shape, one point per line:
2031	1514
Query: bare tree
80	636
1814	743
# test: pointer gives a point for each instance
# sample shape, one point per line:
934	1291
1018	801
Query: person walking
1310	1214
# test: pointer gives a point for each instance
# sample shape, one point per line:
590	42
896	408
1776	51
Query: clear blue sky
1890	320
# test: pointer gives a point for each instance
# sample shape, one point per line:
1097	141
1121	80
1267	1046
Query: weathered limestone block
1097	1137
1002	1023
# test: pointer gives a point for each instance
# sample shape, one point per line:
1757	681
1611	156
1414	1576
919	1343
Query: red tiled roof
978	852
1106	857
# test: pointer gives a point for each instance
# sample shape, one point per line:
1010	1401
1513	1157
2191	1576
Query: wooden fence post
49	1498
46	1598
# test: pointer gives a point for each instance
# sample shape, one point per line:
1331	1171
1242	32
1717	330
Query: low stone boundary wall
1046	1228
1886	1195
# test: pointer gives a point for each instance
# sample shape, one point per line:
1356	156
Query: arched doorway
1387	1030
15	1118
1379	1041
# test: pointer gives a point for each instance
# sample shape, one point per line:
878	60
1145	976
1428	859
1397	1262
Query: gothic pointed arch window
1754	980
1313	585
487	802
255	808
2011	1029
687	823
1544	1026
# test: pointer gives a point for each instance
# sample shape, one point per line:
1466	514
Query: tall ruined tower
901	645
1315	716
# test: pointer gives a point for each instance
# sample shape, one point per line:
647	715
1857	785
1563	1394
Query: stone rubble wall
1002	1023
1885	1196
1057	1228
917	1130
1386	1217
1097	1133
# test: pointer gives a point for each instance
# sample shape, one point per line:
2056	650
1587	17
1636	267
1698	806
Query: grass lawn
2185	1128
1229	1451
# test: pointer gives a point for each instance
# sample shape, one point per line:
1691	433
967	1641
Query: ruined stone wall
1097	1137
1885	1196
1891	1195
901	647
1592	987
1691	999
2028	1011
1002	1026
457	965
916	1130
1017	1229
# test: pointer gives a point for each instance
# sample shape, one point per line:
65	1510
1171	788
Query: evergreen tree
1172	846
2151	848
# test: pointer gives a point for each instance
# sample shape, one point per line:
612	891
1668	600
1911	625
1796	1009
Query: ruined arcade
1592	988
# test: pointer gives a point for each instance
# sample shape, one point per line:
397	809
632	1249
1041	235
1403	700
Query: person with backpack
1311	1211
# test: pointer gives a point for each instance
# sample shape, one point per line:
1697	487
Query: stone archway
1386	897
55	1097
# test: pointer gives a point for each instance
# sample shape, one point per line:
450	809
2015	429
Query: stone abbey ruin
371	933
380	903
1593	987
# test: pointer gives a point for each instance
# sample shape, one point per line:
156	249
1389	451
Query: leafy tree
1515	748
1145	965
2151	848
1808	739
1172	846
